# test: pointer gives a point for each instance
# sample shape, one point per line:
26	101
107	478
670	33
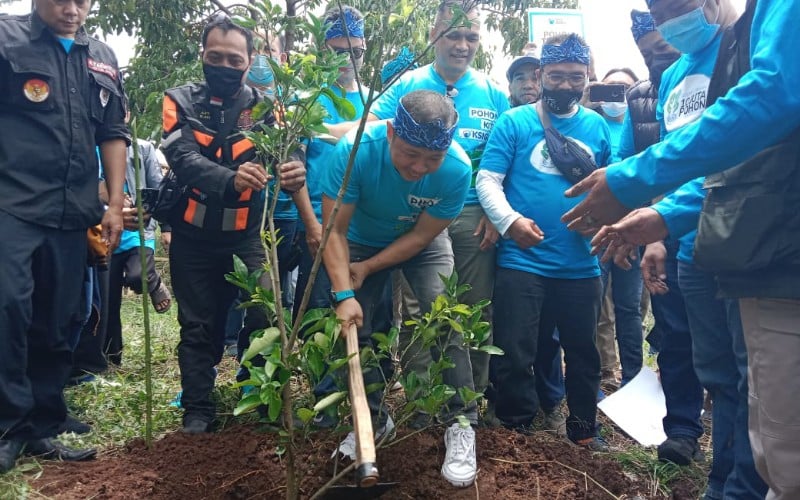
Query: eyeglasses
574	79
358	52
450	91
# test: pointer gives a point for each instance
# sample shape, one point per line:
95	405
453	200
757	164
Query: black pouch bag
170	192
574	163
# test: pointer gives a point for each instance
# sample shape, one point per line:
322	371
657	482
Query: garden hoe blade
367	476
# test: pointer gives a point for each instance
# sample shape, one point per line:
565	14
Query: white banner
544	23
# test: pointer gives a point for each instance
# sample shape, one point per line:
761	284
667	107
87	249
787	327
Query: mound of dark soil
241	462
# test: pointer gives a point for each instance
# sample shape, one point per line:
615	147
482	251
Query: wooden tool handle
366	471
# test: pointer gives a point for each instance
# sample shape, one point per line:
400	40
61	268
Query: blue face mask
691	32
260	72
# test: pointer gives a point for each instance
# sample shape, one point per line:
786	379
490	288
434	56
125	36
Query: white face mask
614	109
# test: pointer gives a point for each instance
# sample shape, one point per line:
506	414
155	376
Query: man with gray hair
408	182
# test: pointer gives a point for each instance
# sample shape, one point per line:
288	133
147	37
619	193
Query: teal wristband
341	296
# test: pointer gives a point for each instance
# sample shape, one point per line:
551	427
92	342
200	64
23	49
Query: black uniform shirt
54	108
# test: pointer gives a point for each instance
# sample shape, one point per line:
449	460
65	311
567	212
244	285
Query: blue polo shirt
386	205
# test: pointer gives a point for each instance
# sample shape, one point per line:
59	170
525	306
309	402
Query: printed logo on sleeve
36	90
101	67
686	102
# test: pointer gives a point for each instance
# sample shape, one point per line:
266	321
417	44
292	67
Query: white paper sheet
638	408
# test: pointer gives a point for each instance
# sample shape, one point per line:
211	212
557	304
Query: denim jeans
626	291
529	307
422	273
682	390
720	361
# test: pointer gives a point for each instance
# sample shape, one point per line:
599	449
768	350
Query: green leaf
261	344
491	349
274	408
305	415
247	404
455	325
329	400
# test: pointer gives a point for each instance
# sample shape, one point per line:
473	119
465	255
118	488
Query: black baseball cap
519	61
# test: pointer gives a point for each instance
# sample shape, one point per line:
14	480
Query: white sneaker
348	445
460	466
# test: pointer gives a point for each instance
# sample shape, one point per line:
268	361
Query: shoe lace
460	443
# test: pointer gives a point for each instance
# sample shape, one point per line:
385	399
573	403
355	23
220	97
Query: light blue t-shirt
681	100
318	154
534	187
616	129
386	205
479	102
761	109
66	43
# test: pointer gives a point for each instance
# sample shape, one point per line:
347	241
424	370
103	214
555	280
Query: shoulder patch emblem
101	67
105	95
36	90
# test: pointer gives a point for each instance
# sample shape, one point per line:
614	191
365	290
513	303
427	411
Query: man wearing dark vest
219	215
60	97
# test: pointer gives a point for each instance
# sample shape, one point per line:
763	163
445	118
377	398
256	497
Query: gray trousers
772	334
422	274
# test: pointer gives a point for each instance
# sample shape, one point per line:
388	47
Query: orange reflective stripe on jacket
169	114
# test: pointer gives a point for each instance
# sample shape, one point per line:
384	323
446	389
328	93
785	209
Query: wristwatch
339	297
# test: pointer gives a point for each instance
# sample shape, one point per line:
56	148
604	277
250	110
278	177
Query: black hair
562	37
627	71
223	22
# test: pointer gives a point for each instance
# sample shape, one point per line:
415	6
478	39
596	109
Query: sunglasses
357	52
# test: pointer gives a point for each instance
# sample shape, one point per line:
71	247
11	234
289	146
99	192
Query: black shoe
196	426
680	451
50	449
421	421
72	424
9	451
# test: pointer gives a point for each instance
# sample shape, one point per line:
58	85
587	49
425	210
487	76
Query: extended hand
349	312
490	234
599	208
653	270
640	227
112	227
292	175
314	238
525	233
358	273
250	175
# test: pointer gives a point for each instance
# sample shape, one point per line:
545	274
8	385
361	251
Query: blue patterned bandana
432	135
400	63
570	51
643	24
355	28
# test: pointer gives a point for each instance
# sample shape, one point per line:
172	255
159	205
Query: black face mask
659	63
561	101
223	81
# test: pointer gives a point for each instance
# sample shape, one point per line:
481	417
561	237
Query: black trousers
41	276
528	307
198	270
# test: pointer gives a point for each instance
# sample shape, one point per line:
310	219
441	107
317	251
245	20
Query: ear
389	130
284	57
